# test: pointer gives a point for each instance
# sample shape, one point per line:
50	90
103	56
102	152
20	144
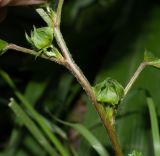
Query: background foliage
106	38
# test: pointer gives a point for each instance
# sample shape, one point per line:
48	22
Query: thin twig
134	77
32	52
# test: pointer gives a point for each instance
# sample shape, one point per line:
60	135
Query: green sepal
28	38
53	52
47	16
155	63
109	92
151	59
148	56
3	46
40	37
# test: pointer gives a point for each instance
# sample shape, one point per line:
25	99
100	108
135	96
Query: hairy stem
76	71
134	77
32	52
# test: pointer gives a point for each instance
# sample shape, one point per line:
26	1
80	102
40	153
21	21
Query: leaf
31	126
3	46
109	91
42	123
135	153
94	142
35	115
151	59
154	126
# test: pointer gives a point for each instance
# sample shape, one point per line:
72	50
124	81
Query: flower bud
109	92
40	37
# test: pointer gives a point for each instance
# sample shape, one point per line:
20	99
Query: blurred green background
107	38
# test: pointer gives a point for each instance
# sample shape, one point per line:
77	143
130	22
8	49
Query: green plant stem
134	77
76	71
32	52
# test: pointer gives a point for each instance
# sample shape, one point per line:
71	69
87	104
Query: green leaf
31	126
135	153
35	115
46	16
94	142
42	123
154	126
3	46
151	59
109	91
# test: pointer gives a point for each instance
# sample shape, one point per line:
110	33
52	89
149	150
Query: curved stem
76	71
134	77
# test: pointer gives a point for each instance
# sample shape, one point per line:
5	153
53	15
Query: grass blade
36	116
42	123
154	126
94	142
31	126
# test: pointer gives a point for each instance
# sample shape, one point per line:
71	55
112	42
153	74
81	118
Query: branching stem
76	71
69	63
32	52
